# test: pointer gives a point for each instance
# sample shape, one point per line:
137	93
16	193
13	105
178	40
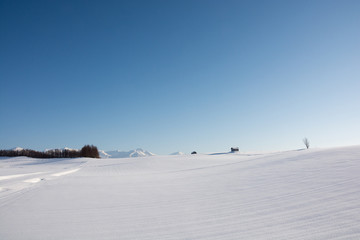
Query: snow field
307	194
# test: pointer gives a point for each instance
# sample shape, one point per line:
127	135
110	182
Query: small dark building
234	149
194	152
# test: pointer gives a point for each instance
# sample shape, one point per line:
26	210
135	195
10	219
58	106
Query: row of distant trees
87	151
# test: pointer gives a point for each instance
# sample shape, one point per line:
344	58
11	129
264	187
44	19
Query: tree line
89	151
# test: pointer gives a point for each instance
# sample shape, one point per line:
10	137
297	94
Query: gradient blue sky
179	75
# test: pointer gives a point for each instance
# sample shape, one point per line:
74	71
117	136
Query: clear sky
179	75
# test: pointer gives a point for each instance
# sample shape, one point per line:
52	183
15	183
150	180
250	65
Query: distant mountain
177	153
65	148
103	154
17	149
123	154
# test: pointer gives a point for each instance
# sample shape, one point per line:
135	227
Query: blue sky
179	75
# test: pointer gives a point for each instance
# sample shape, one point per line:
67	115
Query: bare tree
306	142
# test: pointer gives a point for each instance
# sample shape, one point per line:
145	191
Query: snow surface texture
307	194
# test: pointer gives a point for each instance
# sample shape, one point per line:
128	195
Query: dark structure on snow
194	152
234	149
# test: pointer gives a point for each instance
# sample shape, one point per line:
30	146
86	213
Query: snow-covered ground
305	194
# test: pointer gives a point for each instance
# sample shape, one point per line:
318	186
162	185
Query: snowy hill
123	154
297	195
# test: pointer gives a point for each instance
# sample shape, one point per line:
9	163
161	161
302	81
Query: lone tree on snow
306	142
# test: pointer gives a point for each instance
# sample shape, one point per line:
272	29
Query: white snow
18	175
33	180
65	172
303	194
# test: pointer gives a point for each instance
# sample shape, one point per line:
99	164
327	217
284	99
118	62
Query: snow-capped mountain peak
17	149
139	152
62	149
103	154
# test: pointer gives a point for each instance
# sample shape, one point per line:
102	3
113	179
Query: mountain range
125	154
